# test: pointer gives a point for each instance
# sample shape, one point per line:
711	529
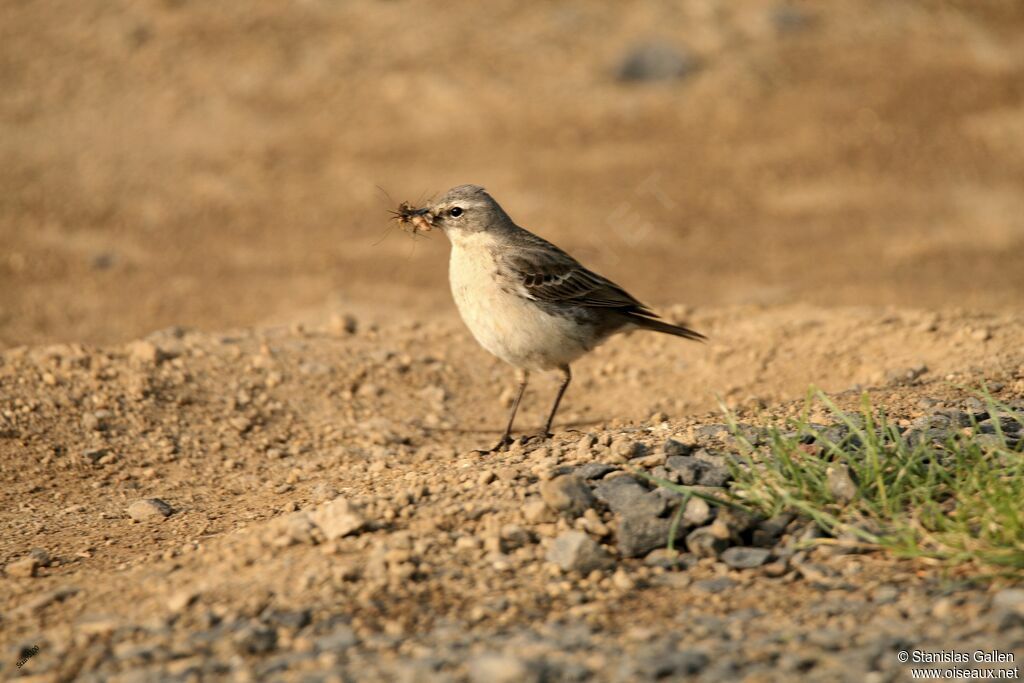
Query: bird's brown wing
538	270
552	276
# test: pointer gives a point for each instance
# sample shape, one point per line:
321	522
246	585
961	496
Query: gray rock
575	551
722	583
707	541
687	468
694	470
338	640
627	496
669	559
41	555
594	470
255	640
672	447
1008	607
672	665
639	534
768	531
710	432
567	494
627	449
149	510
741	557
504	668
291	620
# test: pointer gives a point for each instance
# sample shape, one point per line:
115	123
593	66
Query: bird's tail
668	328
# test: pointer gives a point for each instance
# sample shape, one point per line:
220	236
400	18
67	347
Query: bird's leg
566	378
506	438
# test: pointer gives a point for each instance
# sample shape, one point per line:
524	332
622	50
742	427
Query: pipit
525	300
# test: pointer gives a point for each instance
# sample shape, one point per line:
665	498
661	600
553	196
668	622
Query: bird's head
464	209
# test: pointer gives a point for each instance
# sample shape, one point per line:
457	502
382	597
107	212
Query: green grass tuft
959	500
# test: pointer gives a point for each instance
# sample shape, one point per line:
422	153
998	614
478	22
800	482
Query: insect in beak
419	220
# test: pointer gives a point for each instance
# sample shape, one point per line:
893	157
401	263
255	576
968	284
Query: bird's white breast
509	326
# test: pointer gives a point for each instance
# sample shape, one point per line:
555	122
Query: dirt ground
202	301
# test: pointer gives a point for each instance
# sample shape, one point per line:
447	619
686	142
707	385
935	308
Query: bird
524	299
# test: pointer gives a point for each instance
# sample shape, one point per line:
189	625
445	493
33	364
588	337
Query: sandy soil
201	301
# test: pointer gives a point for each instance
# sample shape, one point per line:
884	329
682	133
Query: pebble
671	447
697	512
536	511
149	510
656	61
697	471
575	551
624	449
840	484
718	585
24	567
594	470
338	518
567	494
180	600
622	580
1008	605
503	668
639	534
626	496
145	352
741	557
707	541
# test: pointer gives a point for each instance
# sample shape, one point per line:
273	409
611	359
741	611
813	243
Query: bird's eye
455	211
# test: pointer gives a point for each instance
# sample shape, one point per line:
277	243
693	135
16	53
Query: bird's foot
540	437
499	447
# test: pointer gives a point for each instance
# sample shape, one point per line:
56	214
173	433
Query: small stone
622	580
338	518
149	510
585	446
338	640
567	494
626	496
180	601
673	666
145	352
503	668
671	447
740	557
668	559
594	470
981	334
722	583
91	422
655	61
42	557
840	484
537	512
707	541
697	512
341	325
22	568
639	534
626	449
255	640
575	551
1008	606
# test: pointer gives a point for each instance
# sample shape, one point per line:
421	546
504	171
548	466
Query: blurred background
217	164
